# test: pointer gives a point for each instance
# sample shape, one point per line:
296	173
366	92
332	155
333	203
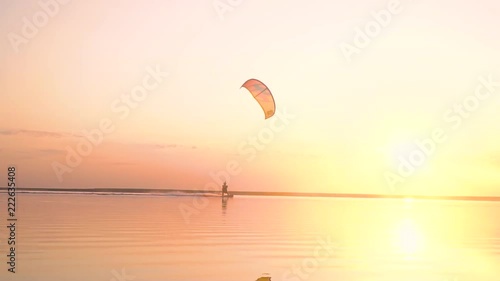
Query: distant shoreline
256	193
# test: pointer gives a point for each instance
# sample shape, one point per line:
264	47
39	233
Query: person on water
224	189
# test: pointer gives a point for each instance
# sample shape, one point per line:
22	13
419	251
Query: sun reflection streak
409	239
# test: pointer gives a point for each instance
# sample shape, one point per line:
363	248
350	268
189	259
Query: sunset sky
350	120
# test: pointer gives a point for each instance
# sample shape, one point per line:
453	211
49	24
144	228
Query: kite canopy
262	95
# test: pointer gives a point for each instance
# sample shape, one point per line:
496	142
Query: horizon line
267	193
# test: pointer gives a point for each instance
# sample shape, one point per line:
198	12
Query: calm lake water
124	238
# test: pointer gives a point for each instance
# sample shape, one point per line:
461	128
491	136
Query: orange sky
344	123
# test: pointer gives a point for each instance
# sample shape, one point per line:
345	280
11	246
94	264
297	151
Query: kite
262	95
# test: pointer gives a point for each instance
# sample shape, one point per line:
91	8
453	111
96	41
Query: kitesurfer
224	189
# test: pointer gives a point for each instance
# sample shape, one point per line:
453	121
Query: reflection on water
224	204
89	237
409	237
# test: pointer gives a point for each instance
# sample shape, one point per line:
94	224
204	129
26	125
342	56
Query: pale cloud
36	133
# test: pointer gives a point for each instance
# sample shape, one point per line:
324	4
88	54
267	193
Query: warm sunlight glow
408	202
409	238
394	152
223	140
